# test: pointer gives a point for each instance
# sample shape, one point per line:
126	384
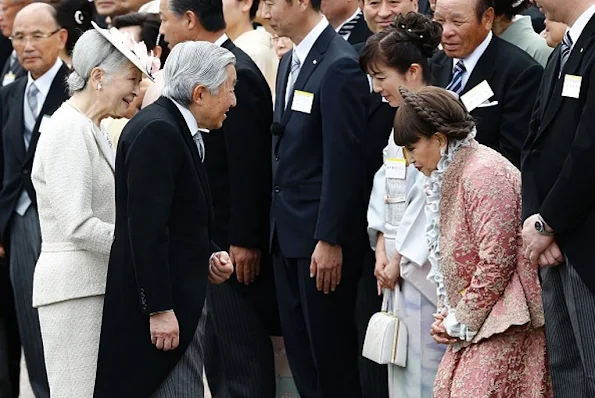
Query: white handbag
386	336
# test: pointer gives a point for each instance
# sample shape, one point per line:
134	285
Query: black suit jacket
160	255
16	69
558	158
360	32
514	77
17	161
238	161
318	160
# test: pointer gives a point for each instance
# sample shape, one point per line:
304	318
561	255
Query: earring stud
99	88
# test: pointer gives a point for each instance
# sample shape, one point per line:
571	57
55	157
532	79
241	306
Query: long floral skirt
508	365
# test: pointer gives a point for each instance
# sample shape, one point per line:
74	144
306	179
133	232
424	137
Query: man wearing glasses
11	69
25	106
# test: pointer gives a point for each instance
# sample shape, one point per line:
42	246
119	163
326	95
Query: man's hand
220	268
535	243
247	263
438	332
552	256
165	332
2	252
326	264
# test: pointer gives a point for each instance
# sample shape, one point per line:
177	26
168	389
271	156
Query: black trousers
319	329
239	358
10	342
374	377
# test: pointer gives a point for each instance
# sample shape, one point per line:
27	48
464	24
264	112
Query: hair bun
422	31
75	82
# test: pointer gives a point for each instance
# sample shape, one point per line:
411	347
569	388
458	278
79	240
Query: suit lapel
442	70
187	135
375	103
284	68
313	59
16	126
56	96
485	66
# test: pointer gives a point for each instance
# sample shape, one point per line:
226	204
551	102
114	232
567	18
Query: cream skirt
70	331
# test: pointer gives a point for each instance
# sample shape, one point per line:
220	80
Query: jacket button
25	171
277	189
277	158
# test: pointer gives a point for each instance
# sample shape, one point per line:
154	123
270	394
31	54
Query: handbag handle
391	299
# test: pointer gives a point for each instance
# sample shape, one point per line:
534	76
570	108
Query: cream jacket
73	175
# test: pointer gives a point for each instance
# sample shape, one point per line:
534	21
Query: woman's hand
438	332
381	261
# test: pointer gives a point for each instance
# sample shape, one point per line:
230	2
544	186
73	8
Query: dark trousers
319	329
374	377
239	358
10	342
570	331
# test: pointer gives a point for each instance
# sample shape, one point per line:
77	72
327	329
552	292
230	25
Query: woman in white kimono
398	57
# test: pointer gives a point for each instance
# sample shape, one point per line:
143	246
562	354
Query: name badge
572	86
45	124
302	101
8	78
396	168
477	95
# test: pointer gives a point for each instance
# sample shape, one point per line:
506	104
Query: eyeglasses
35	38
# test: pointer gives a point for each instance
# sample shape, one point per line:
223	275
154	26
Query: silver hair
92	50
195	63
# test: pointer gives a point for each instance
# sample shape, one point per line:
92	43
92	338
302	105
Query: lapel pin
314	61
582	49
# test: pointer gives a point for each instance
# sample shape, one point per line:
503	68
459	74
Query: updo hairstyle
93	50
431	110
510	8
410	39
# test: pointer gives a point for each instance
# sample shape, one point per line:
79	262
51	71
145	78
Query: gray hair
195	63
92	50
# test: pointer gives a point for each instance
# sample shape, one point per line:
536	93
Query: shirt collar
189	118
219	42
472	60
581	23
44	82
303	49
355	14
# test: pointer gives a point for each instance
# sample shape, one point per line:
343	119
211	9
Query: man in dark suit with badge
24	106
497	81
318	188
11	68
346	17
558	173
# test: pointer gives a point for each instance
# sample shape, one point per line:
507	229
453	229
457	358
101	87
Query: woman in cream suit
398	57
73	174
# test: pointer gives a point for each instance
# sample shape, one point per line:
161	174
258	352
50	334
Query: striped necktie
566	47
293	75
349	25
200	145
456	84
31	113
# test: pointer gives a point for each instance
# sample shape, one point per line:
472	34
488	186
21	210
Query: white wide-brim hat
152	7
135	52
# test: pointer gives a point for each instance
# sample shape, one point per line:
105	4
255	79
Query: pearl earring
99	88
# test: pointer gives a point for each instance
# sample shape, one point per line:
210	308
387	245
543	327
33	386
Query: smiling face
386	81
37	39
211	109
462	32
379	14
120	89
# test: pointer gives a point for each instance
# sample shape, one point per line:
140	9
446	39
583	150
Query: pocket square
487	104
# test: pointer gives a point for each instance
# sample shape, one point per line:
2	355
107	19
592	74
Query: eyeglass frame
32	38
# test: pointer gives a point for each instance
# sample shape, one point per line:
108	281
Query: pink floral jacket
487	279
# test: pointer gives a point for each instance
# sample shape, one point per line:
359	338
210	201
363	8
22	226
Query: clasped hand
387	273
540	249
220	268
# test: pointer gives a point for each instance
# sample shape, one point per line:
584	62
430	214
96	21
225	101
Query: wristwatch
541	229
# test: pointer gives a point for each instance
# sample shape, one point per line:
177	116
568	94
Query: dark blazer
17	161
160	255
559	154
360	32
514	77
17	70
318	161
238	161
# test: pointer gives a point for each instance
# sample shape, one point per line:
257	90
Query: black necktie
349	25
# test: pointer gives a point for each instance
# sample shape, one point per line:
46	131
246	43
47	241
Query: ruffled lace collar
433	189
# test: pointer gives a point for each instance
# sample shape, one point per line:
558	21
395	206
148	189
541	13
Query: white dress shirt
193	127
346	35
43	84
472	60
580	24
303	49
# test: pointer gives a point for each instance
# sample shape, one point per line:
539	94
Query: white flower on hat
147	60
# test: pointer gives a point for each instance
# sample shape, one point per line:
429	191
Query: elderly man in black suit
241	313
497	81
347	18
162	253
316	212
558	192
24	105
11	68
